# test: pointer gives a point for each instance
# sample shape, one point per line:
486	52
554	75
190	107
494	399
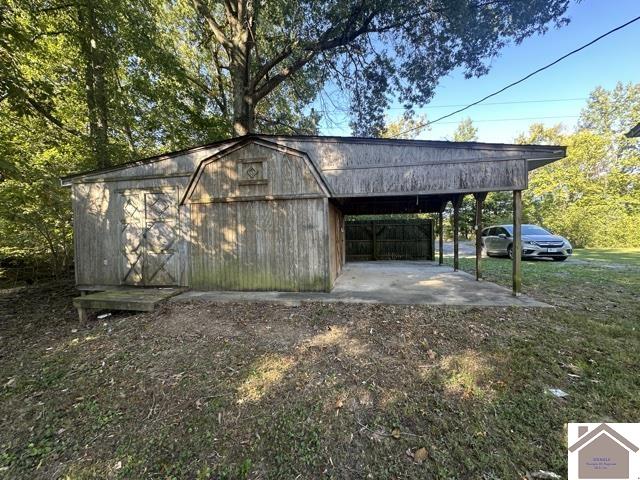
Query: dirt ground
251	390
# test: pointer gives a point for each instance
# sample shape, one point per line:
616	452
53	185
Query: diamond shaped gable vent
252	172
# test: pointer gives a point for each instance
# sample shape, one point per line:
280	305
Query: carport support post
440	238
517	242
480	198
457	203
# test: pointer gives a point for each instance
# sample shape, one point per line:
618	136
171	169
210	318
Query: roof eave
69	180
552	152
558	154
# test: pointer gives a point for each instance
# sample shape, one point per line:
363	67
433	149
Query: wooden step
135	299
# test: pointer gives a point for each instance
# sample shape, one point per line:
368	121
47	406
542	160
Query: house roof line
554	150
403	141
602	428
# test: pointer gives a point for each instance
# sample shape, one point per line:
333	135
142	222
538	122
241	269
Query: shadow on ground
254	390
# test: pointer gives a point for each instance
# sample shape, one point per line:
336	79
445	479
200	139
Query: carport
381	177
437	203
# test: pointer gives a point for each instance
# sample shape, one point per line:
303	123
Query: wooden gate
389	240
148	239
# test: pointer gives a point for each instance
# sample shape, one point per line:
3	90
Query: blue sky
614	58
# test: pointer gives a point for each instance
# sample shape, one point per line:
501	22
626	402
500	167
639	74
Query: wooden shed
267	212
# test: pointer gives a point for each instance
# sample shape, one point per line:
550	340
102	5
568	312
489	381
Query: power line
515	119
426	124
500	103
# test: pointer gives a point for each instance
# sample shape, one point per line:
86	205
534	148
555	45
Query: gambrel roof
304	158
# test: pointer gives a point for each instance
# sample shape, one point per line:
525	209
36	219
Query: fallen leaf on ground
420	455
395	433
431	354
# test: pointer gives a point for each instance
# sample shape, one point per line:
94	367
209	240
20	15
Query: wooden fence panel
389	240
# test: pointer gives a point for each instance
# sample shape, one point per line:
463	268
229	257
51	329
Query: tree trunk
244	111
95	84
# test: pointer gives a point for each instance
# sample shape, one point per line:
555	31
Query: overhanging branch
42	110
213	25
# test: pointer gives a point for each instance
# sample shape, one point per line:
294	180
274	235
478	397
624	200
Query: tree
593	195
84	84
110	73
373	48
35	213
404	127
612	112
465	132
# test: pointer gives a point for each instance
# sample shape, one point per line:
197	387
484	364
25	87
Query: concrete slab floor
388	282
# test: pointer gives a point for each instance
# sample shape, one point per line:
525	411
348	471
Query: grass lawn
615	256
320	391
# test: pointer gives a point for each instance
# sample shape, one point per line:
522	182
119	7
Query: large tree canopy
124	79
376	49
105	73
592	196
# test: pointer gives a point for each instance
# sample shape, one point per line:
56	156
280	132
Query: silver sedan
536	242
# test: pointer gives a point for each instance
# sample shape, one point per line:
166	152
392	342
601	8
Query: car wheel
510	251
559	259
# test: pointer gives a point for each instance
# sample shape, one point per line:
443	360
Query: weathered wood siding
336	242
102	231
255	171
258	223
259	245
370	167
460	177
170	165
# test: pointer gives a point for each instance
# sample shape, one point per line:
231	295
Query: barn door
161	265
149	239
132	238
